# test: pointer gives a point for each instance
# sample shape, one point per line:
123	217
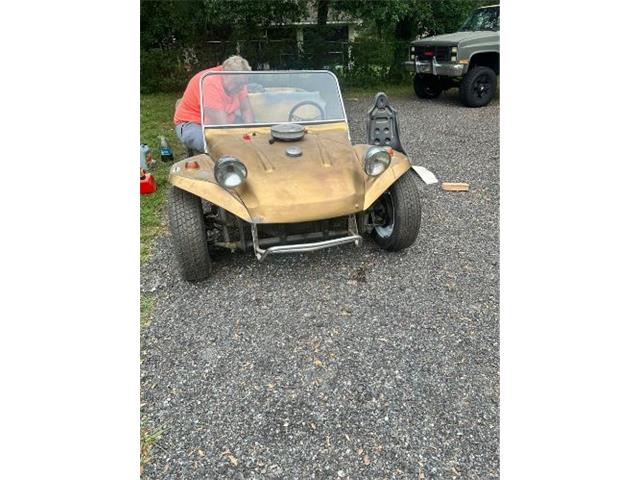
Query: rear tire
427	86
402	212
189	235
478	87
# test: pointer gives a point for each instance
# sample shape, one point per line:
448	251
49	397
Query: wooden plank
455	187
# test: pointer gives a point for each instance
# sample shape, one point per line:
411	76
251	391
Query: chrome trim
246	125
449	69
204	139
344	112
269	72
261	253
294	151
374	150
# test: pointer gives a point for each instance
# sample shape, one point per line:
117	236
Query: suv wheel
427	86
478	87
189	234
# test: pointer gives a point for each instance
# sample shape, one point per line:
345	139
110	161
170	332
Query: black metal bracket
382	124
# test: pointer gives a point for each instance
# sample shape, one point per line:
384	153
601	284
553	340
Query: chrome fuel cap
287	132
294	151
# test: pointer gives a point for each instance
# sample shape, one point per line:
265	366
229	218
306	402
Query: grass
393	90
156	118
148	438
147	304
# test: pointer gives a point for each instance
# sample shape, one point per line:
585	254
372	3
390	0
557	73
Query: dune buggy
292	181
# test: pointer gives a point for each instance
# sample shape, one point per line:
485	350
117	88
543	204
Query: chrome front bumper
262	253
448	69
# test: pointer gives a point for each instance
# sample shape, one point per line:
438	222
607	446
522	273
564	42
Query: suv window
483	19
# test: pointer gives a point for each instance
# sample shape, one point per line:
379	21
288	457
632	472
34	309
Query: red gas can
147	183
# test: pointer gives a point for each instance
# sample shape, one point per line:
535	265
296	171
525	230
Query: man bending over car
225	99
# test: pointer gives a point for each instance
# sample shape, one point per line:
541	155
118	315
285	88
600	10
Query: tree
167	23
246	19
448	15
173	35
323	11
400	21
395	21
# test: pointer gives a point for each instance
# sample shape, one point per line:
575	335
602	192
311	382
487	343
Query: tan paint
327	181
201	182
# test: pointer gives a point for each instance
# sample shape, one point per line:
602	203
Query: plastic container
145	156
166	154
147	183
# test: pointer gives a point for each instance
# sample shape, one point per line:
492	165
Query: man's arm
213	116
245	110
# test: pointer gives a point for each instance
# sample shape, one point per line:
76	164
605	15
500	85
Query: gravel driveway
344	363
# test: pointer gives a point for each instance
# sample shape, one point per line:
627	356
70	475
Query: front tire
400	209
427	86
478	87
186	221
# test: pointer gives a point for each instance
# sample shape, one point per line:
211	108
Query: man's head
234	83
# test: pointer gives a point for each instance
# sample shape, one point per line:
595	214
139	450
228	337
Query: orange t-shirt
215	97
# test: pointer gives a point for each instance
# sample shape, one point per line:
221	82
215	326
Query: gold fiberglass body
291	180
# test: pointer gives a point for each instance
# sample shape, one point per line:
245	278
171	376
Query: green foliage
448	15
394	90
168	23
176	37
404	19
168	30
385	15
148	438
241	18
160	71
147	304
367	63
169	69
400	21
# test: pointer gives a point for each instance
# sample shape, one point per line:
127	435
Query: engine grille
338	224
442	54
283	233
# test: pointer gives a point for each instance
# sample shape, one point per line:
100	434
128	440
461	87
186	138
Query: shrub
365	62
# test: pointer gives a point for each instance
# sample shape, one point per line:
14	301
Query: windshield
483	19
269	97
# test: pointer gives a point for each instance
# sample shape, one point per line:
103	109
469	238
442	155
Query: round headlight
376	161
229	171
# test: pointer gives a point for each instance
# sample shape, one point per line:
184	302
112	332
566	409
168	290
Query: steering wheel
296	118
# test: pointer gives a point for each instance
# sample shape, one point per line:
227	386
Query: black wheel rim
429	89
384	210
482	86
